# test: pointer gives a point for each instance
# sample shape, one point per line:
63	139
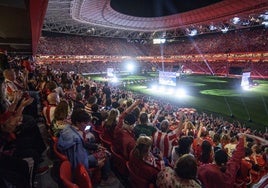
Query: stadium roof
22	21
150	19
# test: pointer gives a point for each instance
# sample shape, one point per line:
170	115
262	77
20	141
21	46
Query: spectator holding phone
74	143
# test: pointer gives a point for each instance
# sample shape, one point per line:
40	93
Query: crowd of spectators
162	140
220	68
150	133
238	41
246	40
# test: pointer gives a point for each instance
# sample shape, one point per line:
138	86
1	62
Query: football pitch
220	96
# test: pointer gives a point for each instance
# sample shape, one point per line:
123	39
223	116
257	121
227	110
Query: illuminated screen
167	78
110	72
245	79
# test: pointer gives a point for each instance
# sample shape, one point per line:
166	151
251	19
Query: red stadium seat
136	181
82	177
66	175
59	155
119	163
97	132
105	142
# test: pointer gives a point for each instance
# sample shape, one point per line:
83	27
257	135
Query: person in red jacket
143	162
124	140
222	173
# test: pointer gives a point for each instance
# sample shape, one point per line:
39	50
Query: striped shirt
9	88
165	141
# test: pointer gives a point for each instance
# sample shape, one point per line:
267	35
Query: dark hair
144	118
248	152
92	99
80	115
221	158
61	111
51	85
186	167
136	112
206	151
95	107
184	145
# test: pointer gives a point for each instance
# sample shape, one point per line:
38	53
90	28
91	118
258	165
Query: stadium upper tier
246	40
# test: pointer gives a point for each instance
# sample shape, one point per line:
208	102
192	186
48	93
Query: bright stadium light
162	89
159	41
224	30
170	91
114	79
181	92
154	87
130	67
245	88
235	20
212	27
192	32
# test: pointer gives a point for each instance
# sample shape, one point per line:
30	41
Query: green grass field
221	96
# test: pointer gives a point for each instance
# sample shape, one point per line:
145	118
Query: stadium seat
66	175
105	142
82	177
59	155
97	132
119	163
95	174
136	181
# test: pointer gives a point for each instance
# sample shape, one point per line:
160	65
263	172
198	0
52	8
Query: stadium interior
207	60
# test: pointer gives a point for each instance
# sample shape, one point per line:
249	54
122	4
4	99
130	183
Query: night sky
157	8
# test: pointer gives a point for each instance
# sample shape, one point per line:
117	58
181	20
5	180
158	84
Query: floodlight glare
180	92
114	79
170	91
193	32
212	27
265	23
154	87
224	30
236	20
162	89
130	67
159	41
245	88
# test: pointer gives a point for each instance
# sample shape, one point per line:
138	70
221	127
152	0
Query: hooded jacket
71	144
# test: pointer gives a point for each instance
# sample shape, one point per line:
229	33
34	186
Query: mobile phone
87	127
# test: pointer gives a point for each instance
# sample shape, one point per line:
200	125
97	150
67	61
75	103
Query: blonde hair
113	114
143	144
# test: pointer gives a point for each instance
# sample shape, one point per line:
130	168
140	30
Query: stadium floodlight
130	67
181	93
159	41
224	30
212	27
154	87
192	32
170	91
114	79
162	89
265	23
264	16
236	20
